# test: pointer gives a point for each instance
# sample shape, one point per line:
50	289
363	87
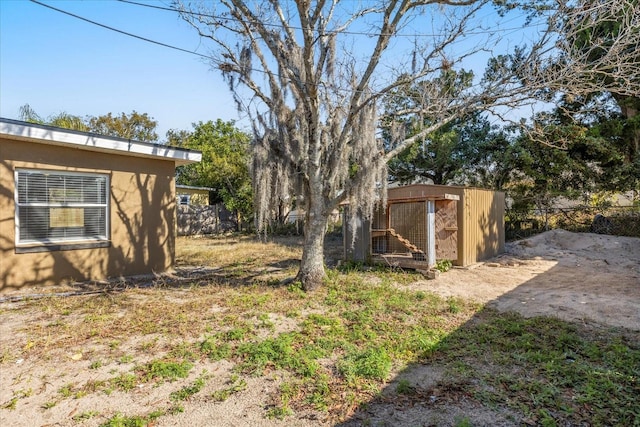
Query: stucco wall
197	197
142	216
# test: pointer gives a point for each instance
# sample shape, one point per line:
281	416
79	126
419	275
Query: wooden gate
446	229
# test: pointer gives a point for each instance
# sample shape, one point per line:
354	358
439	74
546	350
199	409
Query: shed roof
51	135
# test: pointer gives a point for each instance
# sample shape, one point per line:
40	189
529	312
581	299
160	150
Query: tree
312	91
139	127
610	116
61	120
441	156
491	157
594	140
136	126
224	165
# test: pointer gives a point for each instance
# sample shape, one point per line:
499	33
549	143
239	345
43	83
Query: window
184	199
61	208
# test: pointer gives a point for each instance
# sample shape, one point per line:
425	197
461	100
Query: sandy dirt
586	278
573	276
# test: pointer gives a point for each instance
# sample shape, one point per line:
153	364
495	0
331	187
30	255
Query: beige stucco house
80	206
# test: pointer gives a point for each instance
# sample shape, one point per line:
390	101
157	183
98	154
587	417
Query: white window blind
59	207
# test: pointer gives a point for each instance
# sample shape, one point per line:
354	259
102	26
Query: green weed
443	265
287	392
186	392
215	350
125	382
120	420
11	404
85	416
66	390
127	358
165	370
236	384
371	363
278	352
404	387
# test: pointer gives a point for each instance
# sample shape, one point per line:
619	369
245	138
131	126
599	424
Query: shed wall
483	230
142	217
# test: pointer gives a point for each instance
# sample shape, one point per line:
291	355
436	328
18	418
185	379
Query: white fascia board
92	142
193	187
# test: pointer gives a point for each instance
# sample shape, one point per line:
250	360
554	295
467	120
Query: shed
80	206
425	223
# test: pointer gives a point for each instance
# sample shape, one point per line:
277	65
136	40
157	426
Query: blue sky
55	63
58	63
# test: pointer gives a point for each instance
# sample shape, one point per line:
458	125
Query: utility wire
120	31
160	43
356	33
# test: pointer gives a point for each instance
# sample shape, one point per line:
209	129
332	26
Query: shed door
446	229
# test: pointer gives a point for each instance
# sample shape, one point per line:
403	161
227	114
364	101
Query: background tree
594	138
598	37
441	156
61	120
224	165
492	158
313	98
136	126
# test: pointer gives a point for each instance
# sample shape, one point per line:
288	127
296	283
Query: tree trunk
312	273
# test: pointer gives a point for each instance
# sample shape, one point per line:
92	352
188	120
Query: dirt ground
573	276
587	278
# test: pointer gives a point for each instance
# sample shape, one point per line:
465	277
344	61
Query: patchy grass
551	371
337	349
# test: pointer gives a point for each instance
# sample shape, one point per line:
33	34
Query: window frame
60	244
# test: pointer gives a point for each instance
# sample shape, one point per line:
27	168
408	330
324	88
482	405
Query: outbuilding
422	224
81	206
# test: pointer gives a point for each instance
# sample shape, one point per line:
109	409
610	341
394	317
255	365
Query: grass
551	371
234	385
338	348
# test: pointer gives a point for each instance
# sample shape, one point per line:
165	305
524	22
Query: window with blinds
61	207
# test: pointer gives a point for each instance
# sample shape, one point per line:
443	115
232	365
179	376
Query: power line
293	27
120	31
157	42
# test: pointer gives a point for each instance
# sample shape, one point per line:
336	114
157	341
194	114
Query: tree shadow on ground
503	369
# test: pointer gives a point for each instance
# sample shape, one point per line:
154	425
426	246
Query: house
422	224
191	195
80	206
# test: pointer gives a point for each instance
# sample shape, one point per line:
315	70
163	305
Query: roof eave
92	142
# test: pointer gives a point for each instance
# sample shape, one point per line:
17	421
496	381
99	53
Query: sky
58	63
